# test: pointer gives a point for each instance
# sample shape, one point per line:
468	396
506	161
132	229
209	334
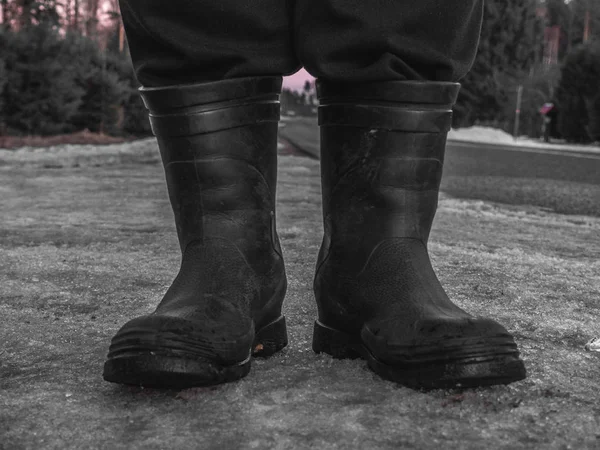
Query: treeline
551	50
61	72
93	18
64	67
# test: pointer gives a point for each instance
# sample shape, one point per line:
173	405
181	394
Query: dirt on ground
88	242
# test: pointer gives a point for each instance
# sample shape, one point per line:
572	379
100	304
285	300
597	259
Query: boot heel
270	339
333	342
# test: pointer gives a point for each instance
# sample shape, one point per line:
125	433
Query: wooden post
518	111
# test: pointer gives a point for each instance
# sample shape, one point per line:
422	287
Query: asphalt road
567	183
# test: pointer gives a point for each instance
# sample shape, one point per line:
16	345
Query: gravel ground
87	242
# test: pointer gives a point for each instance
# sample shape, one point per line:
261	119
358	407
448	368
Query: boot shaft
218	143
382	153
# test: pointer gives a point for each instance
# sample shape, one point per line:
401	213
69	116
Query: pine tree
510	44
578	94
52	82
102	77
559	15
593	109
578	11
40	95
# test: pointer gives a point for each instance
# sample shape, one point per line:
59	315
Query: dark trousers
189	41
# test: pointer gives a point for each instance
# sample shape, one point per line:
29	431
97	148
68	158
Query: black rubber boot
218	143
382	152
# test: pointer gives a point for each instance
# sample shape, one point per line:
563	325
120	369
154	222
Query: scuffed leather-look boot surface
382	152
218	144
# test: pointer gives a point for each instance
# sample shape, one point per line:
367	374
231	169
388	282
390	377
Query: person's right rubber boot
218	143
382	153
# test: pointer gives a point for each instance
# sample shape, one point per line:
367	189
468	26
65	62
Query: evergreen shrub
578	94
40	95
53	84
508	48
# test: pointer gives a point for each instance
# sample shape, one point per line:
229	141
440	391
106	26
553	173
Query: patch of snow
491	135
524	214
66	152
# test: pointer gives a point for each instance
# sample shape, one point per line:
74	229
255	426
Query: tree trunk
25	13
76	21
4	4
121	36
91	22
67	17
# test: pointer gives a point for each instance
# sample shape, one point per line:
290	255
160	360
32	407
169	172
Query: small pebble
593	345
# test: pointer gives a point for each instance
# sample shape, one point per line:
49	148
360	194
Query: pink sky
296	81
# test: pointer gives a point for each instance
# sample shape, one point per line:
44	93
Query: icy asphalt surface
87	242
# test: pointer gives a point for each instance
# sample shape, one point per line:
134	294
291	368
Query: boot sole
463	372
172	371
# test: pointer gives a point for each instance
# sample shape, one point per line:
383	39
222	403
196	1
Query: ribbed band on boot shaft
185	110
394	105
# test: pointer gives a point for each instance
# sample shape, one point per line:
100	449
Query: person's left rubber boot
218	143
382	152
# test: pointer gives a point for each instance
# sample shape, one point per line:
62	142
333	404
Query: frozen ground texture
491	135
87	242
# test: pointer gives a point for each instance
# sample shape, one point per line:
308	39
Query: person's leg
384	40
192	41
385	81
211	75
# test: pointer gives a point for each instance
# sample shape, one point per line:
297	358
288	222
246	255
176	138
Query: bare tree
67	14
91	20
24	12
76	18
116	22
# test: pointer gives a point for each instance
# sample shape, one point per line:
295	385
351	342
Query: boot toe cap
437	340
194	339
